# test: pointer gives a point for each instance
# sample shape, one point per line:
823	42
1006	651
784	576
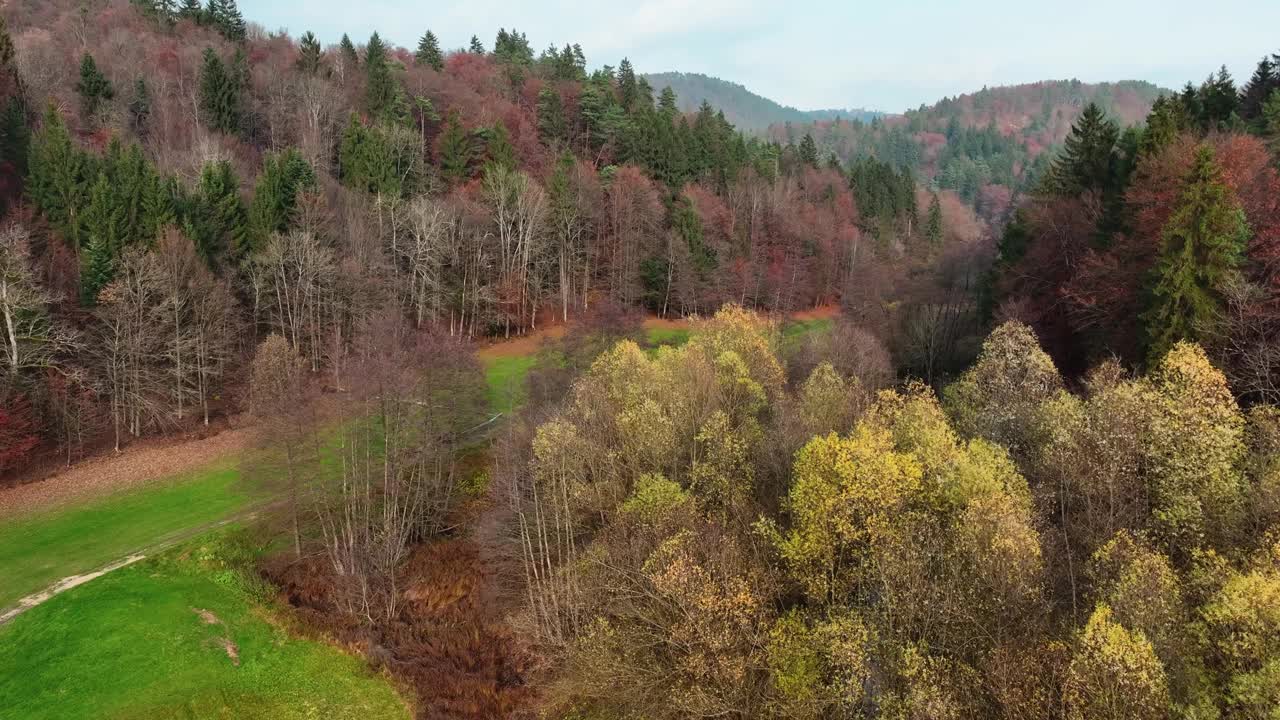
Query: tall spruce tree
808	150
1088	158
429	52
103	238
380	87
552	127
667	102
140	108
58	178
220	93
1204	243
1265	80
347	50
216	220
191	10
476	47
455	151
1219	102
933	226
310	55
284	175
628	90
93	87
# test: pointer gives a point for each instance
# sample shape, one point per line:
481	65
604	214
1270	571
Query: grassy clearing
505	375
157	640
37	550
660	336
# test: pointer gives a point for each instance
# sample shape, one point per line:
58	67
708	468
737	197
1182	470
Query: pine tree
191	10
310	55
933	227
104	235
350	58
225	16
93	87
627	88
498	148
667	102
1218	101
552	127
455	151
1265	80
380	90
808	150
57	176
220	93
1203	245
1166	120
429	52
476	46
283	177
140	108
1088	158
217	221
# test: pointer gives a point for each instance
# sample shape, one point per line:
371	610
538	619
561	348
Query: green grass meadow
40	549
157	640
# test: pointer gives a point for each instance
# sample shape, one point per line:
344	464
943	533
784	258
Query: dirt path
73	581
133	467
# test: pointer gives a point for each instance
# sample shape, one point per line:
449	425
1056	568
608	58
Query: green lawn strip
795	331
38	550
505	376
667	336
135	644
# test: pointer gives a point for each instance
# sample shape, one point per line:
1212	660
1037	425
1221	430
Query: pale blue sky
888	55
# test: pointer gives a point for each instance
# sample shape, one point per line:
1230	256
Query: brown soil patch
526	344
206	616
822	312
136	465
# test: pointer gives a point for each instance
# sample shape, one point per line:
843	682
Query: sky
887	55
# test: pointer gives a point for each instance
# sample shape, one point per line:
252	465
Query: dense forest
989	147
1031	470
743	108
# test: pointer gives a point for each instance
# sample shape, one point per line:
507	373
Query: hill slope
986	145
742	107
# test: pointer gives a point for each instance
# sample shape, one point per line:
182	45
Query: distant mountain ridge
745	109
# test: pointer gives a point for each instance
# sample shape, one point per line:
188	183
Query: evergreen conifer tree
429	52
310	55
1218	101
628	91
380	88
140	107
667	102
476	46
220	93
104	230
191	10
350	58
284	175
57	176
552	127
455	151
1088	158
1203	245
217	222
93	87
933	227
498	148
808	150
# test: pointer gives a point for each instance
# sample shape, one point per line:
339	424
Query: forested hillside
187	184
986	146
742	107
